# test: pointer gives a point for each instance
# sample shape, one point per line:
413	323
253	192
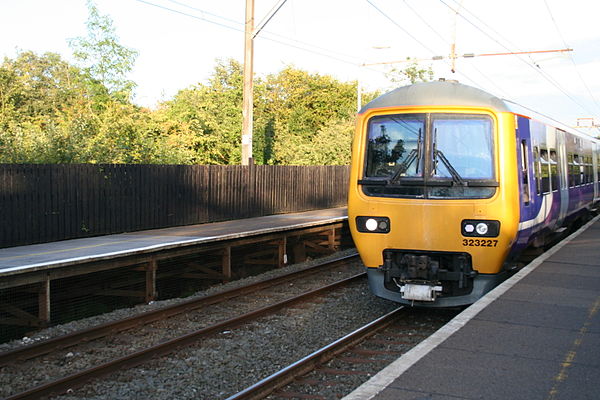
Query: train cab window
430	155
395	145
462	146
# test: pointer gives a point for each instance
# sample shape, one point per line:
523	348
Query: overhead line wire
448	43
426	22
400	27
570	56
301	45
414	38
536	67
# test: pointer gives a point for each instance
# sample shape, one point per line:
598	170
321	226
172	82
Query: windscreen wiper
456	178
404	166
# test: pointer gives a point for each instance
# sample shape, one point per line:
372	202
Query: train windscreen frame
430	155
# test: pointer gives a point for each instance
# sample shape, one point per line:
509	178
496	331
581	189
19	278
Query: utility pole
453	55
248	100
248	97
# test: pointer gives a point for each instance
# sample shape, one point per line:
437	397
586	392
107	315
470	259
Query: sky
179	42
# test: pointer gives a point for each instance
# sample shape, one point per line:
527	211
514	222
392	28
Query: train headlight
480	228
373	224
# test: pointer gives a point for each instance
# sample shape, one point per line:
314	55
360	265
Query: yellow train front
433	201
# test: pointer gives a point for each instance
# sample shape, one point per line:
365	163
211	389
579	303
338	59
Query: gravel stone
213	368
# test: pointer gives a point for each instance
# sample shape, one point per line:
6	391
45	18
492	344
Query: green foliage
51	112
413	73
48	114
54	112
102	56
299	118
212	115
38	94
329	146
297	106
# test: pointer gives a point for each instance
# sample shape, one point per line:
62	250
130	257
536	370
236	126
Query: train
450	184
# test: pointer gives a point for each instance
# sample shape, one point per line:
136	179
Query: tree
212	114
48	115
299	118
103	57
413	73
298	106
330	146
41	98
55	112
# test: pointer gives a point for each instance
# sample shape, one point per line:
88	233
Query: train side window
585	170
577	170
598	164
525	173
571	170
589	170
537	169
545	171
553	170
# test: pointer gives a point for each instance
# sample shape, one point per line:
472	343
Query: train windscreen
430	155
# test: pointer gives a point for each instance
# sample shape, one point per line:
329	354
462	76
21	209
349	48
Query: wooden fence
43	203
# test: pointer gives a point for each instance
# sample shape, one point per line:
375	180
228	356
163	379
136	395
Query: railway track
114	327
362	353
74	380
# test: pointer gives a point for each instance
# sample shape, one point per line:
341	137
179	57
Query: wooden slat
42	203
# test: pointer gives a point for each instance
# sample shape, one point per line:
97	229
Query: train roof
453	93
438	93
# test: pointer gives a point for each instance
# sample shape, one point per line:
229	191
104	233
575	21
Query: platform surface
536	336
15	260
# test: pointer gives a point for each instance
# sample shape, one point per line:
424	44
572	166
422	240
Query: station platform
15	260
536	336
32	269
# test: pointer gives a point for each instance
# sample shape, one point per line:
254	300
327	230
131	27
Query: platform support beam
299	250
282	255
331	239
226	263
151	268
44	301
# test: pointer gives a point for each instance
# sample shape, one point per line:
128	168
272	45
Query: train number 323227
480	242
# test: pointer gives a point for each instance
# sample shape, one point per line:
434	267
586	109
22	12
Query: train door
528	209
563	172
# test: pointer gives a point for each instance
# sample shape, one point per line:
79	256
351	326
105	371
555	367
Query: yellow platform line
572	353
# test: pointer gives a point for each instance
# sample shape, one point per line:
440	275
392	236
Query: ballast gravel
222	365
226	364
